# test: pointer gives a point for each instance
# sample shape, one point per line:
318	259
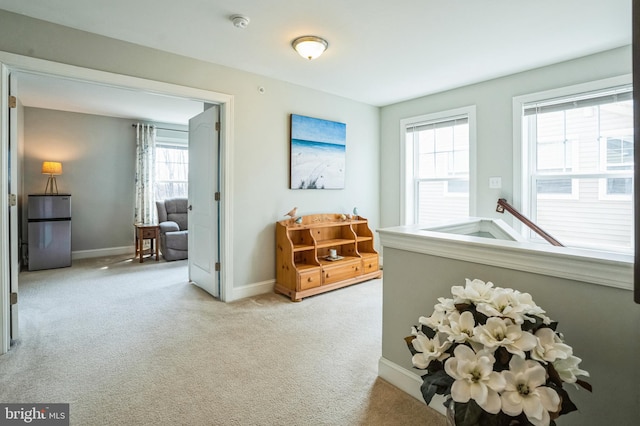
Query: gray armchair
174	234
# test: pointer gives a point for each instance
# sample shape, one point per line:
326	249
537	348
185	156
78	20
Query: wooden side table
147	232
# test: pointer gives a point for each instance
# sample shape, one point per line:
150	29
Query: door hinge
217	126
14	298
13	102
216	196
13	200
217	266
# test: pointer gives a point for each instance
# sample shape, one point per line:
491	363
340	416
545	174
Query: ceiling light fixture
310	47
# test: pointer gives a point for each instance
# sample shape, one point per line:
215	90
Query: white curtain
145	209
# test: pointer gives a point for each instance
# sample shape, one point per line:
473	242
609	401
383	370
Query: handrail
504	205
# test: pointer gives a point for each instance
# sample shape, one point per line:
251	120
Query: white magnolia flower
436	320
429	349
550	347
445	305
474	291
459	327
503	304
530	307
475	378
502	332
568	369
524	391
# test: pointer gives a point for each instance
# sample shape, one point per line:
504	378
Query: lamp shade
51	168
310	47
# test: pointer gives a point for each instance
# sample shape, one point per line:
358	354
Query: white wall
494	102
261	134
98	164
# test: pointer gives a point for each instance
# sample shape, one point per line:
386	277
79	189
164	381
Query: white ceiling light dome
310	47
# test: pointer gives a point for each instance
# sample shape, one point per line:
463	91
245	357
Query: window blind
609	96
449	122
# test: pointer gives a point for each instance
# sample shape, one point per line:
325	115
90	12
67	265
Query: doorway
15	63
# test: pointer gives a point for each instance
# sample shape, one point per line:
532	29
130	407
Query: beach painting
318	153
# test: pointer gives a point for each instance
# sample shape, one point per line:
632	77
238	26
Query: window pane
440	150
620	153
619	186
435	202
588	221
591	135
554	186
172	171
458	187
554	156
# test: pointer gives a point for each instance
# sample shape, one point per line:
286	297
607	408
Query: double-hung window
437	152
172	164
578	165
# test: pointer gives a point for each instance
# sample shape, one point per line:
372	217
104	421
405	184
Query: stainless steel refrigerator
49	223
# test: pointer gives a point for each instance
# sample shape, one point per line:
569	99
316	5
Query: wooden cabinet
303	265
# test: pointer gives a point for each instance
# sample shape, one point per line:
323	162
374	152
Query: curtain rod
164	128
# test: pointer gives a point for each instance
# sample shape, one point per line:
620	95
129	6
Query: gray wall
261	132
600	323
98	164
494	103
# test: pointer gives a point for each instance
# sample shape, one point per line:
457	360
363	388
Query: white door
203	207
14	252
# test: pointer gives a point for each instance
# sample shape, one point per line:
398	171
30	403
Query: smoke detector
240	21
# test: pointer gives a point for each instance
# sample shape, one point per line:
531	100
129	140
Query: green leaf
553	375
461	307
585	385
428	331
468	413
502	359
533	326
409	341
566	405
436	383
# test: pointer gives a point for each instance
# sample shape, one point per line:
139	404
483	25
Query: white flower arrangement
497	356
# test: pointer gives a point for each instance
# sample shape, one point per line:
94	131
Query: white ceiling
380	51
41	91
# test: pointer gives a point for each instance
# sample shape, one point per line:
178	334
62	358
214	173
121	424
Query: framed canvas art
318	153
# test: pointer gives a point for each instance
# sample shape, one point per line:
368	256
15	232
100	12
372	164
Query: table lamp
51	168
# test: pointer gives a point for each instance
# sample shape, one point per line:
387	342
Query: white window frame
522	155
407	197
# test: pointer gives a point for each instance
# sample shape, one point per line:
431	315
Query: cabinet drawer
148	233
369	264
309	279
343	271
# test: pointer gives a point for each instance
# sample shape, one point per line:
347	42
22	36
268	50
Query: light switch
495	182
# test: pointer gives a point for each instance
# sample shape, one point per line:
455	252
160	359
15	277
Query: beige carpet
135	344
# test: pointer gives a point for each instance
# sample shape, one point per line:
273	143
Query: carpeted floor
135	344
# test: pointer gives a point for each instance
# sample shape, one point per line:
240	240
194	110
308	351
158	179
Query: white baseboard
252	290
111	251
408	382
